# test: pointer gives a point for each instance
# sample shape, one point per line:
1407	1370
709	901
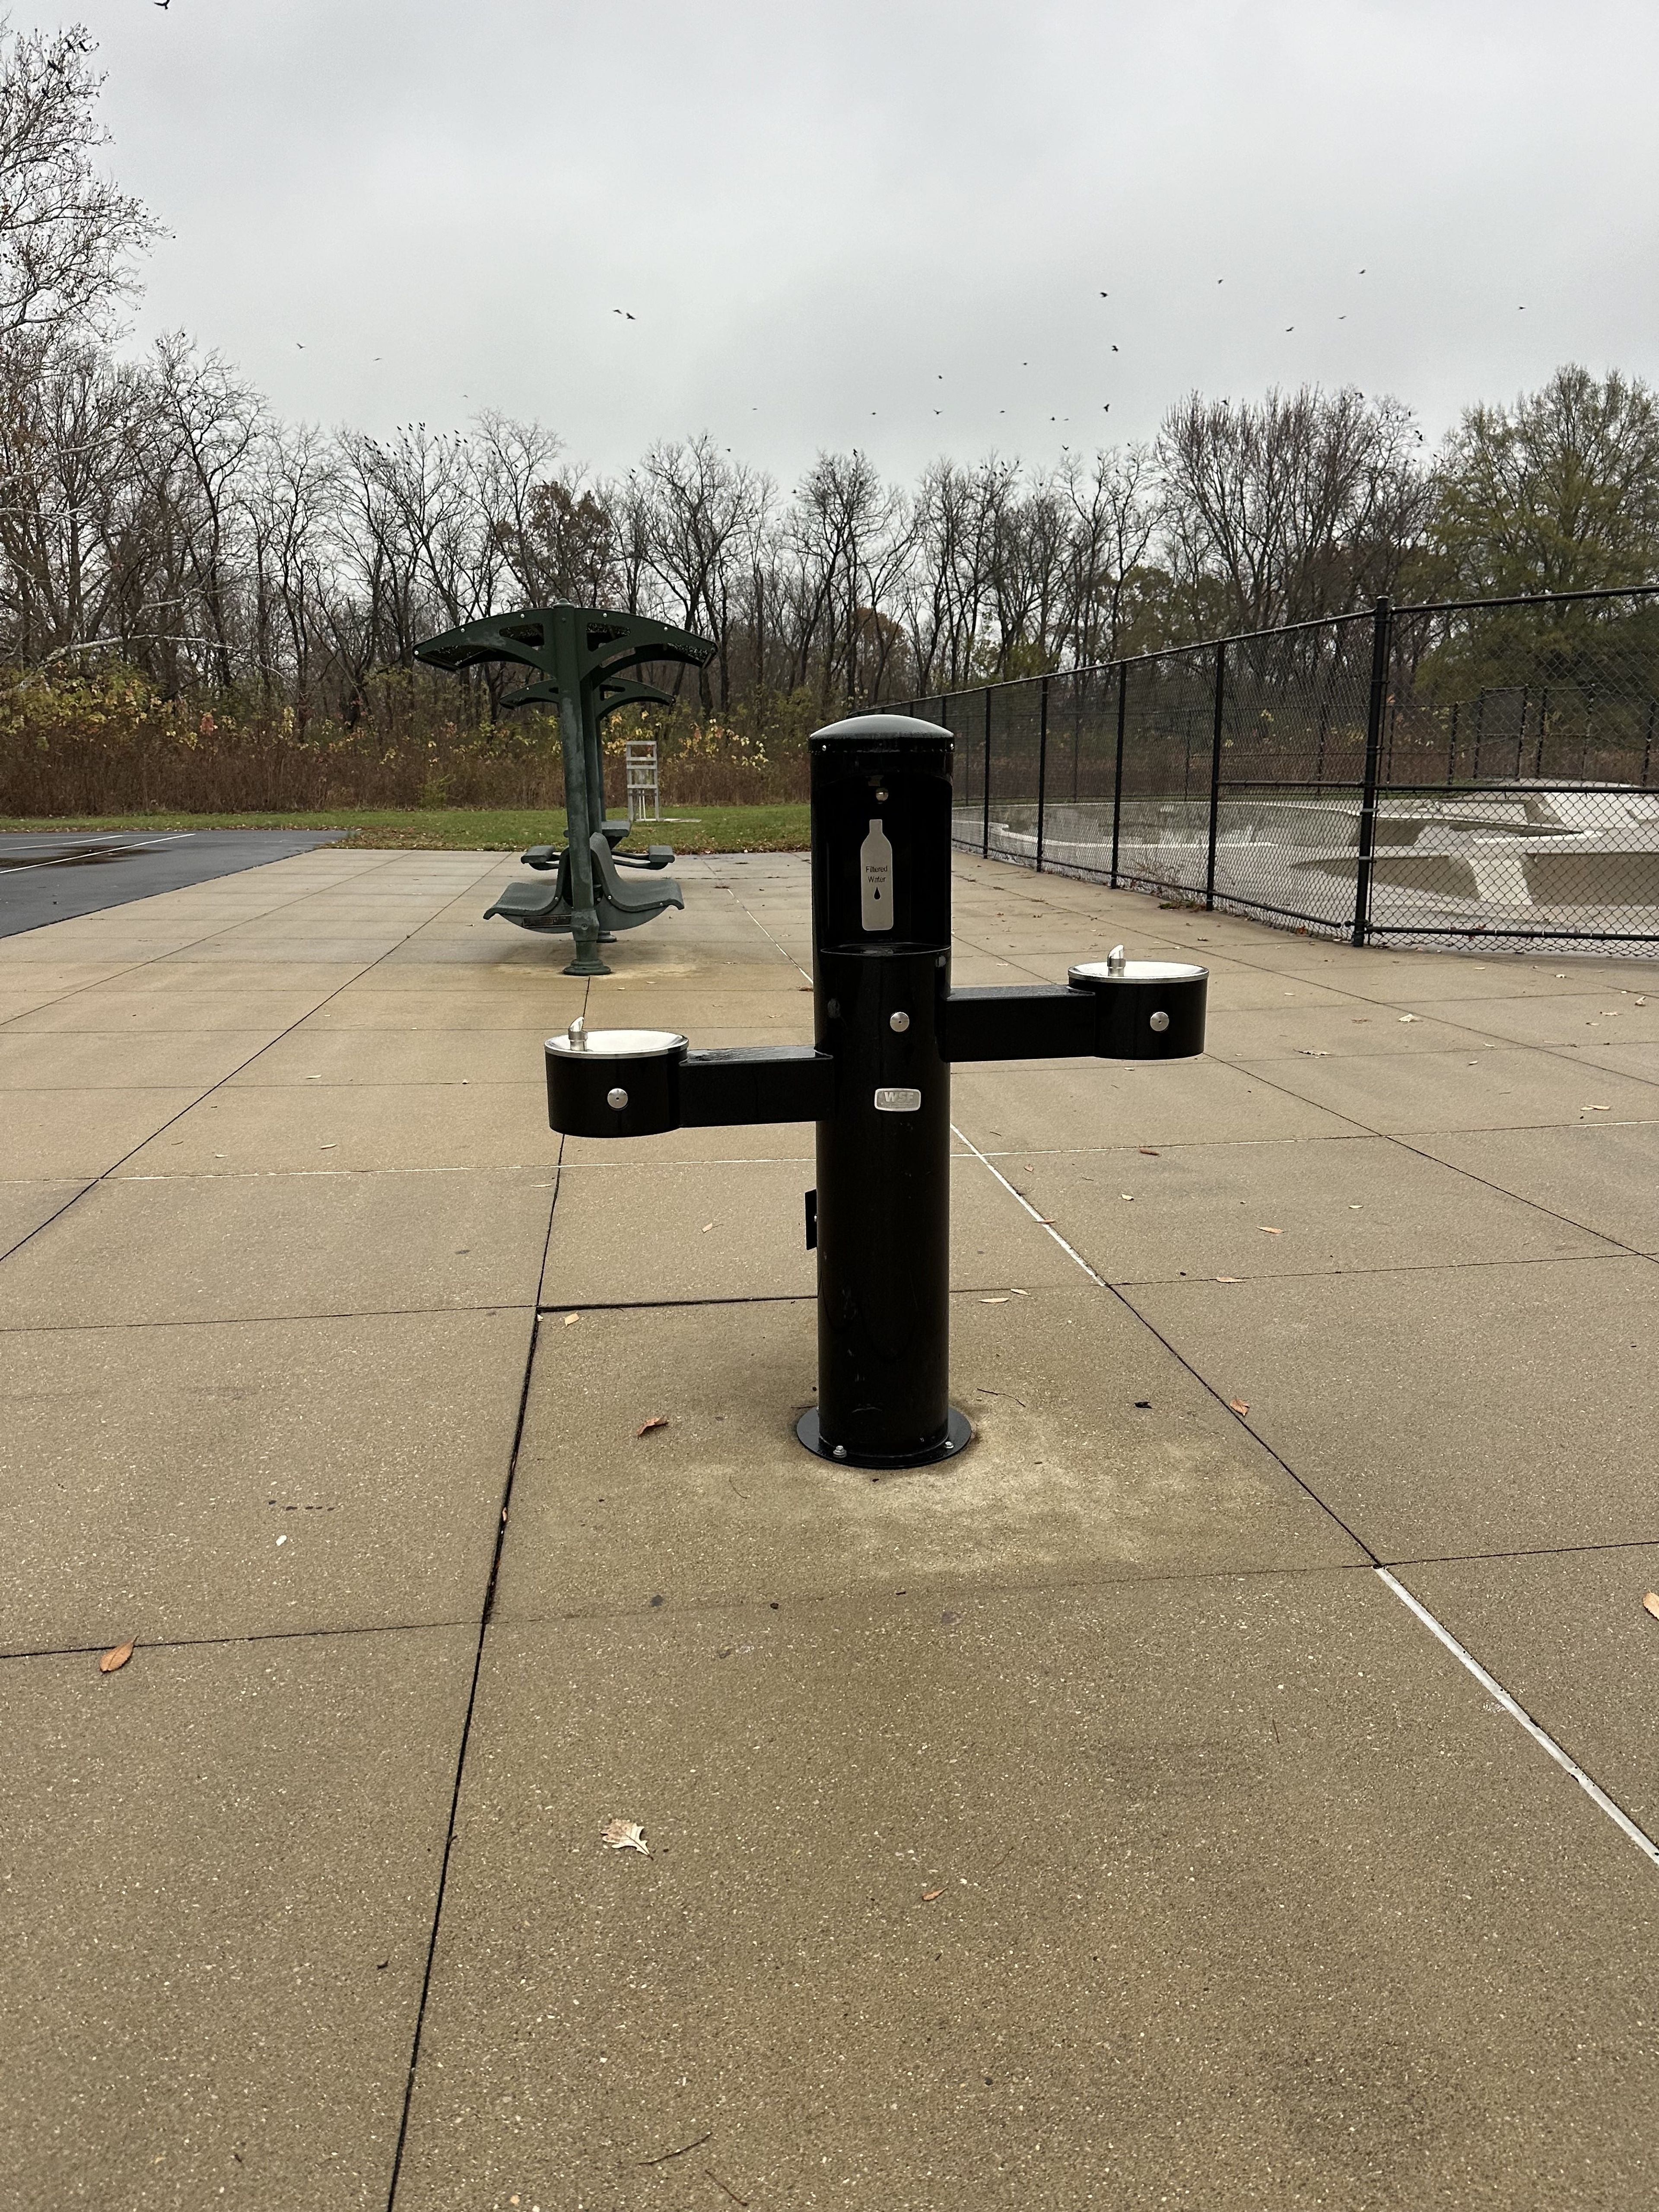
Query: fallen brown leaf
118	1657
625	1836
1239	1405
571	1318
1266	1231
656	1421
928	1895
1651	1602
1149	1153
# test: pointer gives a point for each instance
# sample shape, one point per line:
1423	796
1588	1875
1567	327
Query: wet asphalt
47	878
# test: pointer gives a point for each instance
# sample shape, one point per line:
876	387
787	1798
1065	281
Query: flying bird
1289	327
1113	348
1361	272
1105	296
163	5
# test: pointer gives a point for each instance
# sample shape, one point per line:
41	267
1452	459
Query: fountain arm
1113	1009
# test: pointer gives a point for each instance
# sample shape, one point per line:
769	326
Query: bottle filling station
889	1029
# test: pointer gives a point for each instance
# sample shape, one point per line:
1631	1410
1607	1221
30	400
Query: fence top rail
1288	630
1140	660
1529	599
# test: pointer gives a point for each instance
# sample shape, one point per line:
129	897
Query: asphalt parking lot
54	876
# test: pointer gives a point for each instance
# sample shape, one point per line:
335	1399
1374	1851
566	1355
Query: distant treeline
198	600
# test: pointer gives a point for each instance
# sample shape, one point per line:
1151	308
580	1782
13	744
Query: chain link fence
1418	776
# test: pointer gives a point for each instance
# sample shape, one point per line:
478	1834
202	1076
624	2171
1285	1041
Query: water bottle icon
876	880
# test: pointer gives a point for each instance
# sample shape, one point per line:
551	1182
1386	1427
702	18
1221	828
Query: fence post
985	819
1215	774
1362	888
1117	773
1043	764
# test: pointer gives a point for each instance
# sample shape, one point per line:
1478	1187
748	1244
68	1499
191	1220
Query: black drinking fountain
877	1082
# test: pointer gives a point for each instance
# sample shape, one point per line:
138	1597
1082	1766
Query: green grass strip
485	829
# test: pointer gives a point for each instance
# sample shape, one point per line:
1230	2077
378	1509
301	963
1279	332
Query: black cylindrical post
1043	766
881	930
1117	772
1218	720
985	794
1379	693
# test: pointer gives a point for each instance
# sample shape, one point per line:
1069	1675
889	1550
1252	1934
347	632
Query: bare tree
694	513
946	608
1115	511
1304	506
67	235
849	535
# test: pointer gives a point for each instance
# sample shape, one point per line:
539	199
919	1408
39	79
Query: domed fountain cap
882	730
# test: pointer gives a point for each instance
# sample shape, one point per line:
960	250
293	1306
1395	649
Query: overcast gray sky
886	223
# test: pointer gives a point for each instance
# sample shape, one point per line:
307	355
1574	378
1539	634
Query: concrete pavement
1089	1823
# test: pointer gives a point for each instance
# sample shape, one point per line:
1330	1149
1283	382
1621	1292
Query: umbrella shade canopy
565	642
578	658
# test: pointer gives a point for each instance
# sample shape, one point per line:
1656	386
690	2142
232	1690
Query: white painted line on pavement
1494	1689
1043	1223
127	846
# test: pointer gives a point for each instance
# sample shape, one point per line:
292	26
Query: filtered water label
876	880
